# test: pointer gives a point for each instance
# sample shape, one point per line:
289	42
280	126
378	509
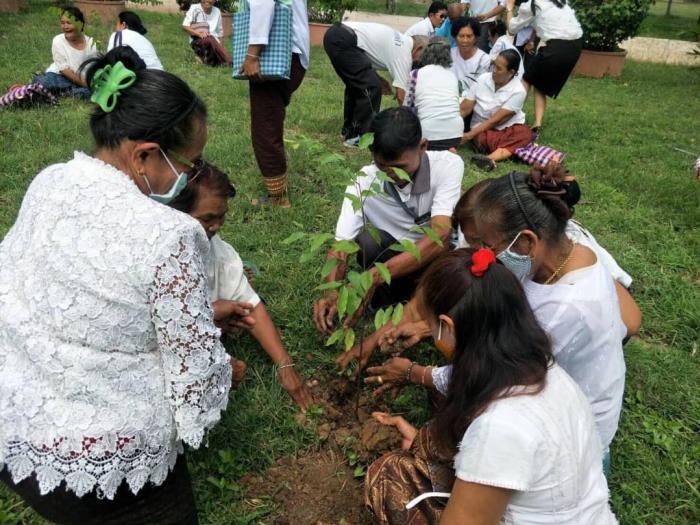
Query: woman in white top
69	50
109	356
206	199
129	31
468	61
514	441
495	103
437	12
203	23
500	41
561	42
434	94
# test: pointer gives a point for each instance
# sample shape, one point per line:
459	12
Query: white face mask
519	265
175	189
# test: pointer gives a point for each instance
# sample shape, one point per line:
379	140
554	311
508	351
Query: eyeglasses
442	17
195	167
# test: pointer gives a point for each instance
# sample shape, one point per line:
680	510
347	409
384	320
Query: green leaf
378	318
330	158
318	239
401	174
349	339
348	247
354	301
294	237
359	471
335	337
366	140
383	272
397	315
306	256
374	233
433	236
355	280
329	266
383	176
342	301
387	314
332	285
406	246
366	280
355	200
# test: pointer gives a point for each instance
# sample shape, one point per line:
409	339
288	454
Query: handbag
276	56
200	26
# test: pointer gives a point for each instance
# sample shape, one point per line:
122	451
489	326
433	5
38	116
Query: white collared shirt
261	15
489	100
437	103
436	197
468	71
424	27
481	7
141	45
196	14
387	49
549	21
226	275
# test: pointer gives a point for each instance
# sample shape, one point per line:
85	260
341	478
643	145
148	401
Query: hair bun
123	54
548	185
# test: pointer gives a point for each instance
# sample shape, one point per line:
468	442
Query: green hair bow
107	84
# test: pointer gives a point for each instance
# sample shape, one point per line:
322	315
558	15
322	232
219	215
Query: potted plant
606	24
323	13
228	8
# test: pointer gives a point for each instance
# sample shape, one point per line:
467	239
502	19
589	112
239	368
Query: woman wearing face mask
495	106
109	356
514	438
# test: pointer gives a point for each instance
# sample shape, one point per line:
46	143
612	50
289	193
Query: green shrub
606	23
329	11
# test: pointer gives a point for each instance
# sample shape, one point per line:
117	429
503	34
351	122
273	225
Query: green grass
639	200
682	24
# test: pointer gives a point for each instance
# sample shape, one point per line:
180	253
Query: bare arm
192	32
475	504
494	12
466	107
500	116
631	315
400	95
73	77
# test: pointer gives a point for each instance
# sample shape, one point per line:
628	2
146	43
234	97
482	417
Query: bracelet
408	371
252	56
282	367
422	376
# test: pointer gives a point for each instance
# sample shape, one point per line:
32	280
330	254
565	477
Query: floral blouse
109	358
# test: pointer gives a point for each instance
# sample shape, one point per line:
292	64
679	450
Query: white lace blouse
109	358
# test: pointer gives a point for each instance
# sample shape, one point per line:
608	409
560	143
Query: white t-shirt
481	7
437	102
581	235
261	15
544	447
468	71
140	44
581	315
424	27
387	49
504	42
434	191
65	56
549	21
195	14
489	100
225	274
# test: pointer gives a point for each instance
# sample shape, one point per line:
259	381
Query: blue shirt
445	31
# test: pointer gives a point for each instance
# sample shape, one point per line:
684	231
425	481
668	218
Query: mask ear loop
439	329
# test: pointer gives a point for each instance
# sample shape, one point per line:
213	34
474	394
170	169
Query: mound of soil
314	489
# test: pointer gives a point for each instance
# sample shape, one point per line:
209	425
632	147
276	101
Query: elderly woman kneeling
495	103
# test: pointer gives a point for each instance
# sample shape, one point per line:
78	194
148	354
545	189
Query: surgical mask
445	349
519	265
175	189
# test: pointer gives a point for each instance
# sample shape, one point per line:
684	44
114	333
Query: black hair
464	209
499	28
209	177
396	130
512	59
499	343
538	201
436	7
132	21
184	4
76	14
558	3
462	22
157	107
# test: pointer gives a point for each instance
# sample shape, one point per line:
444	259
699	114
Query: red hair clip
481	259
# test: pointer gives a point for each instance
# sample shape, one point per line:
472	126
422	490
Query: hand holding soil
392	371
402	337
408	432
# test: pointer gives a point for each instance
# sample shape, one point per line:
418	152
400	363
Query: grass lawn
682	24
639	199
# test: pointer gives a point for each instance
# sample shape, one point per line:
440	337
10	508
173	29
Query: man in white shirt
269	99
437	12
357	50
487	12
396	213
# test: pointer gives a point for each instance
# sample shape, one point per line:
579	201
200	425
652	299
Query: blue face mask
175	189
519	265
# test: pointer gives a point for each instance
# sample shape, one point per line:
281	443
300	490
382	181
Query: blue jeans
60	85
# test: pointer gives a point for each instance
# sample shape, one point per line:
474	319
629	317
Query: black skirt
552	65
171	503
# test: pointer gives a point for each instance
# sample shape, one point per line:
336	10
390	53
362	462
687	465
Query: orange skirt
510	138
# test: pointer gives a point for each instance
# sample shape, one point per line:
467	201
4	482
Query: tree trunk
668	8
391	6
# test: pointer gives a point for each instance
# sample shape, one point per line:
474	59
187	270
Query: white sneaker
353	142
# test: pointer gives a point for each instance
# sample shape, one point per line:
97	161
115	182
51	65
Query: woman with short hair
468	61
495	103
130	31
109	357
434	94
437	12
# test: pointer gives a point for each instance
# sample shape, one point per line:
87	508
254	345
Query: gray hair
437	53
419	41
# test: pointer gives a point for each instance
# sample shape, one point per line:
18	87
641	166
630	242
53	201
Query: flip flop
483	163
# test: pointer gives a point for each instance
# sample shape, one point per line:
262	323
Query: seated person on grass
426	201
205	198
495	103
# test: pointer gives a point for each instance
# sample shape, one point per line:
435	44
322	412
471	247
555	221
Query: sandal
483	162
277	193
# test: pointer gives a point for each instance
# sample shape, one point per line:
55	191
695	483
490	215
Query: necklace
561	266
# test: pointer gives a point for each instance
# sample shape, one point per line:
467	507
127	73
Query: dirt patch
378	438
314	489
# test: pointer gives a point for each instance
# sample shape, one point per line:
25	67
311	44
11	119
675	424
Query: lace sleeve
196	368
